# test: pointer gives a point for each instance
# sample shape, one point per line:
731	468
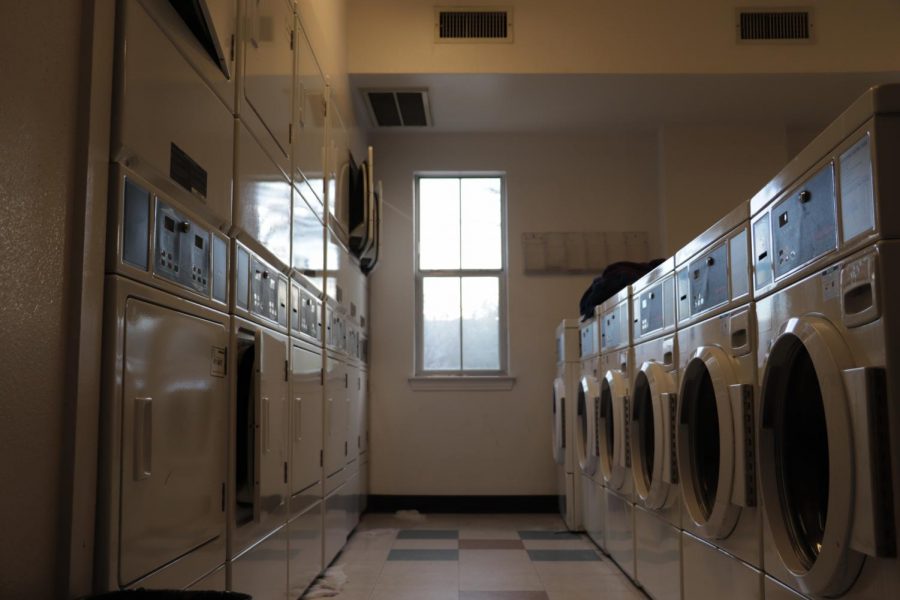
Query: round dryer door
713	443
612	419
652	440
559	421
585	429
823	430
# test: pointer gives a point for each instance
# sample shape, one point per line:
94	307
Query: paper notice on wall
580	252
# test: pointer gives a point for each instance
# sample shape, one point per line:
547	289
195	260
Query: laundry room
452	300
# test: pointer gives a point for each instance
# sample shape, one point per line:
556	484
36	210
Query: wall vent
398	108
468	24
774	25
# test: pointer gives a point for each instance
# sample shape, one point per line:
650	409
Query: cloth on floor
613	279
328	585
410	515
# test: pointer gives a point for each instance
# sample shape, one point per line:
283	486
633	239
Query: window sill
446	383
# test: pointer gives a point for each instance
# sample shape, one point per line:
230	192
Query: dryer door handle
743	489
873	530
143	438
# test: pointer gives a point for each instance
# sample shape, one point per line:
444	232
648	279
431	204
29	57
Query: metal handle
143	438
298	418
743	491
266	428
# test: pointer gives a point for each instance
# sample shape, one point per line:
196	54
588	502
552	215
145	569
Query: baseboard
464	504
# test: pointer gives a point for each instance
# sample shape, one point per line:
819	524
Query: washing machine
649	429
162	464
826	259
565	398
585	432
722	540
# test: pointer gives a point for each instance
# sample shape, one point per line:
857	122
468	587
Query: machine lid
708	449
813	436
613	444
652	439
559	421
208	22
585	429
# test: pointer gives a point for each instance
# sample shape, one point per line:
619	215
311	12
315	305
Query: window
460	275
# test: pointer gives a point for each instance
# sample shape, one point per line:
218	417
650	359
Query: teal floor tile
548	535
562	555
428	534
403	554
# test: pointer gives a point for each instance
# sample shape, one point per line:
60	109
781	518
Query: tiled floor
476	557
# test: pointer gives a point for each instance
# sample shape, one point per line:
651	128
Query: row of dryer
735	414
233	436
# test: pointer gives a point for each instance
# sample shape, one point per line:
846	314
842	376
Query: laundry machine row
212	464
747	433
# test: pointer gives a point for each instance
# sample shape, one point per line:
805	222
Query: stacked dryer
161	496
657	510
570	479
717	404
826	261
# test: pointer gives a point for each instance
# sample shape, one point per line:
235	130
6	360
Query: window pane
438	223
481	226
440	323
481	323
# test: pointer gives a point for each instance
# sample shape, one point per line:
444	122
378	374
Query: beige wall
491	443
705	171
612	36
38	179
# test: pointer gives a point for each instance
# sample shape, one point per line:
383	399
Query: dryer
825	274
657	511
162	465
585	431
722	542
565	400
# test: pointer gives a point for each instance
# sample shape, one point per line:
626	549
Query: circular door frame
655	492
724	514
614	469
836	566
559	400
587	458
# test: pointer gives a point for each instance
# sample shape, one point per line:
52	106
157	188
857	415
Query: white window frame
501	274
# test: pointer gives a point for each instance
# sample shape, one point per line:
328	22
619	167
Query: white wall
612	36
491	443
39	161
705	171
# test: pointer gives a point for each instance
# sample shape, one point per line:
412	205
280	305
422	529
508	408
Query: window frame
502	275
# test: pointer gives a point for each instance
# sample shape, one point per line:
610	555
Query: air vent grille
778	25
398	108
482	25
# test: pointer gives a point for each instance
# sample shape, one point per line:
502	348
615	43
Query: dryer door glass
607	428
801	445
700	419
174	416
581	415
642	421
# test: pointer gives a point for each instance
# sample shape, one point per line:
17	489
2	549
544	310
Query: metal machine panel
710	573
658	556
805	223
262	204
709	280
306	314
261	571
267	48
168	124
335	524
215	581
336	418
306	425
337	172
308	247
304	550
172	476
620	543
260	290
309	125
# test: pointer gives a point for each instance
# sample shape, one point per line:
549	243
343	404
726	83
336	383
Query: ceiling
571	103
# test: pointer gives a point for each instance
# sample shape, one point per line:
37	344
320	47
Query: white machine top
883	99
740	215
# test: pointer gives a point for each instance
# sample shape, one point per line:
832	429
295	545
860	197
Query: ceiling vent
398	108
467	24
774	25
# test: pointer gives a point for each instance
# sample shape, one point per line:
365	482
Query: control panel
708	276
614	328
804	223
260	289
654	308
588	333
185	252
305	313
